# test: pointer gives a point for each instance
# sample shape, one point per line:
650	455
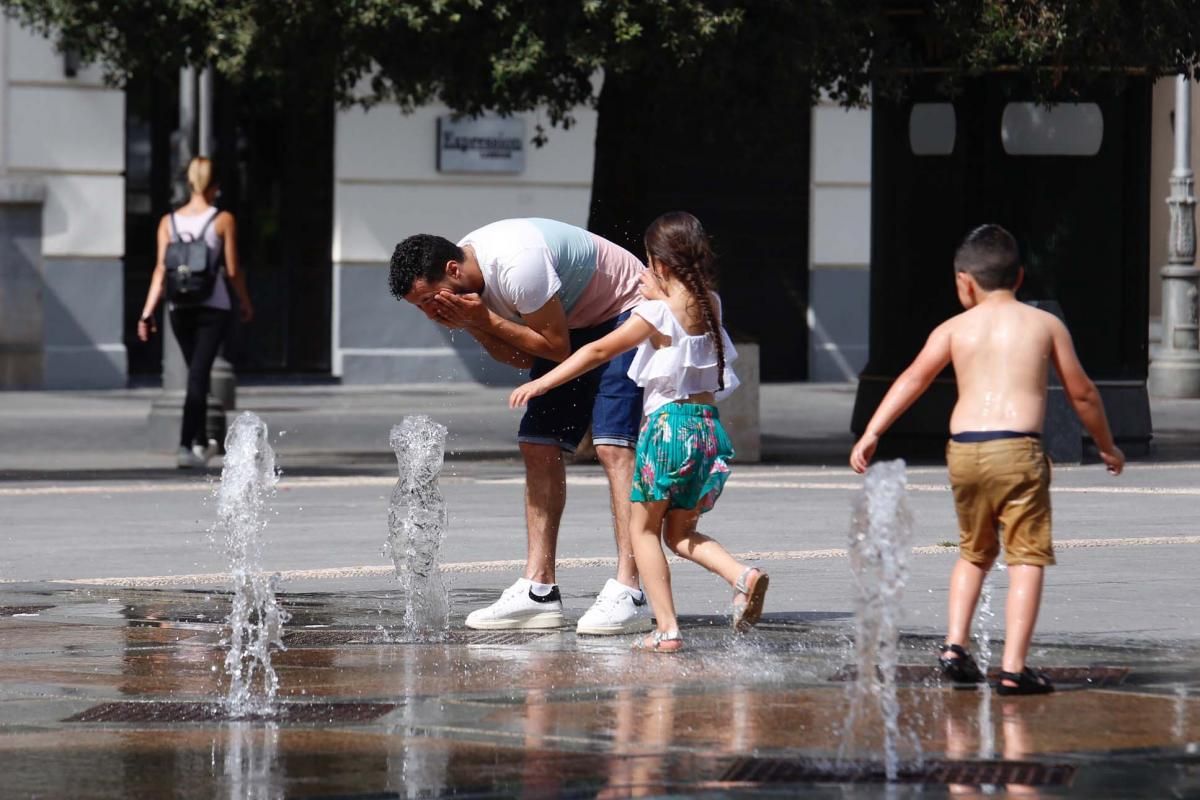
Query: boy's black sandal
961	668
1027	682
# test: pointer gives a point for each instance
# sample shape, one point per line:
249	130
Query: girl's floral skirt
683	456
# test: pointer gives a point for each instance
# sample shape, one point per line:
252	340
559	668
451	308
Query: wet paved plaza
112	598
115	692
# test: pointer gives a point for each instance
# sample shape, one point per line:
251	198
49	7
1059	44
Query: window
1063	129
931	129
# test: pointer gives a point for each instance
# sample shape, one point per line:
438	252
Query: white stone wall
68	134
387	187
839	242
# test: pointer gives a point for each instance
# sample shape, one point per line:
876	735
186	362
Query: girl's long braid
678	240
697	283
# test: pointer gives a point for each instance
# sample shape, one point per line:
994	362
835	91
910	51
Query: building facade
387	186
62	164
839	275
71	152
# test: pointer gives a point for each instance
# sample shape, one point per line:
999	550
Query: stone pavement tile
739	719
240	761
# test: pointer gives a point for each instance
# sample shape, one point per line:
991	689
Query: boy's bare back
1001	350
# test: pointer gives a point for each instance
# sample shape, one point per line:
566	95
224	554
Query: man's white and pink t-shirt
526	262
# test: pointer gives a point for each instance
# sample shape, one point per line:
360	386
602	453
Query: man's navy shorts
604	397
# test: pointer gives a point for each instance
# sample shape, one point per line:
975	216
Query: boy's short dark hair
421	256
989	254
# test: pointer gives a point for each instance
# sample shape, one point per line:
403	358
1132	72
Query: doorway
274	161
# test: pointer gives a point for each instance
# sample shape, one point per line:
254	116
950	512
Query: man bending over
531	291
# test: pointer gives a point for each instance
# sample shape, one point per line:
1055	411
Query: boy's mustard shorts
1002	488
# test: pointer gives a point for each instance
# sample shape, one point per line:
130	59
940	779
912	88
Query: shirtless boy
1000	349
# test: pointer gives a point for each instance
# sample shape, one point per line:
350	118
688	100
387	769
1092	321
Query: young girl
683	451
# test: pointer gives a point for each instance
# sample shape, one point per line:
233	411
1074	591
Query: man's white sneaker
519	607
617	610
186	458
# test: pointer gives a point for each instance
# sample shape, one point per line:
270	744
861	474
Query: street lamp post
1175	371
223	382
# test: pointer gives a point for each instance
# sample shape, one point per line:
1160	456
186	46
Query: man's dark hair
420	256
989	254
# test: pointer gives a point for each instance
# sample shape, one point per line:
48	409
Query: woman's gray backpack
192	266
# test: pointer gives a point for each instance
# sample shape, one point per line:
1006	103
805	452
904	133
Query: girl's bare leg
683	538
645	526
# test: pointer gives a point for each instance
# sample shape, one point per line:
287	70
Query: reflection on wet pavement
117	693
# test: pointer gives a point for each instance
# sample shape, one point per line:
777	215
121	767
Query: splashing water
416	525
251	753
417	772
880	543
985	619
255	620
985	622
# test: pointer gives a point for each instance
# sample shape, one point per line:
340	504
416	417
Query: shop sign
480	144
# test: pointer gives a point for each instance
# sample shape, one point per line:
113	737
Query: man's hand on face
433	311
460	310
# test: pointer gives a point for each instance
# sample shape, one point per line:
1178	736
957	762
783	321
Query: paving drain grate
175	620
215	712
1090	676
975	773
330	638
13	611
496	637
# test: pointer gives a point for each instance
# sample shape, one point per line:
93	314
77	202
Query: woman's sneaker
519	607
618	609
187	458
207	452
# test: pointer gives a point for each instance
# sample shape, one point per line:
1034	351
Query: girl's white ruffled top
687	366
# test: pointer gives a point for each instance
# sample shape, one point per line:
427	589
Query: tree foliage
511	55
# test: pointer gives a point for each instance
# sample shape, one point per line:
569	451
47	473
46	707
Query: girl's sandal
659	642
754	587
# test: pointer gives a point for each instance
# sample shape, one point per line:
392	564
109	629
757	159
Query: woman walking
199	306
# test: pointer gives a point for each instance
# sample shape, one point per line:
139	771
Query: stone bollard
1062	434
223	384
740	410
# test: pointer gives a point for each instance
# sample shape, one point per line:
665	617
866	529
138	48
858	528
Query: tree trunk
735	156
619	176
